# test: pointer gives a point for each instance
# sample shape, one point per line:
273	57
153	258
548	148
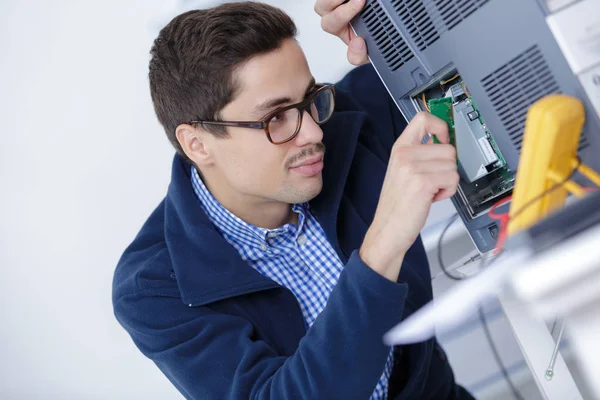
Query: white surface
537	346
553	283
467	347
583	328
83	162
456	305
554	5
542	279
559	283
590	81
577	31
553	289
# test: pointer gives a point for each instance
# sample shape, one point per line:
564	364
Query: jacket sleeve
210	355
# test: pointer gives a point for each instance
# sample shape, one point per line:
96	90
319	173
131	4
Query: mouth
310	166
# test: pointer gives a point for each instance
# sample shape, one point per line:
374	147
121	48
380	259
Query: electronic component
442	108
480	195
494	231
476	155
485	177
457	92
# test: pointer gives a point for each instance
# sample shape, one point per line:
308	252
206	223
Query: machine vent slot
583	142
391	45
454	12
514	87
426	20
417	21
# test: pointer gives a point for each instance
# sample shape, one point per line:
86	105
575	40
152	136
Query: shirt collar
233	227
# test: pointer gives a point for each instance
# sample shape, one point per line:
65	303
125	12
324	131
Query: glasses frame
263	123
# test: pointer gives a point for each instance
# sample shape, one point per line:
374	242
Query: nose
310	132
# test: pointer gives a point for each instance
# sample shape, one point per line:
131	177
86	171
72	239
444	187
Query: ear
194	142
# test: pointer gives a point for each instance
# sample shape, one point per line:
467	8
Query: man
287	243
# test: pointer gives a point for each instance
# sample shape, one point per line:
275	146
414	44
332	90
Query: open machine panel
479	65
485	177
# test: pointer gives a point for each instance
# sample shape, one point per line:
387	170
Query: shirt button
272	234
302	240
263	247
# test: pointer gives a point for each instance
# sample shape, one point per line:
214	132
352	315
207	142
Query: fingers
443	195
434	167
446	183
323	7
408	155
427	153
422	124
336	17
357	51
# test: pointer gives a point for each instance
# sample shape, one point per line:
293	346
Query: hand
335	19
417	176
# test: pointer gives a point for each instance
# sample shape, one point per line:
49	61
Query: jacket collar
207	268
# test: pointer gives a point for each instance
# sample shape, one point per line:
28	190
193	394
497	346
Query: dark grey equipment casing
505	53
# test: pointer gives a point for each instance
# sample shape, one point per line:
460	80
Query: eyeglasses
283	124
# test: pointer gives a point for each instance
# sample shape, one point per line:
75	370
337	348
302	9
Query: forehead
281	73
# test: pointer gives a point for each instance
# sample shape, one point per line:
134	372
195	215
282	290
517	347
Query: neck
256	211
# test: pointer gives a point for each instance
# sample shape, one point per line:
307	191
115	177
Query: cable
425	102
440	257
488	334
505	218
442	83
552	189
439	253
466	90
449	80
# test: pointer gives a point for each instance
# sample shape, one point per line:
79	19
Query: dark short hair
195	56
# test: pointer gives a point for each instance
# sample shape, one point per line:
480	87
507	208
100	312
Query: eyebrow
270	104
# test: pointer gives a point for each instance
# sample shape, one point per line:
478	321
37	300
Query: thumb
357	51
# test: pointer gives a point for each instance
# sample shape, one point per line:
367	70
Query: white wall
83	162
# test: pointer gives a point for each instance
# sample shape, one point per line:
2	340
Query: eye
280	117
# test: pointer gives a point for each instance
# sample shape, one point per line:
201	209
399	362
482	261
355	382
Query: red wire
505	218
492	212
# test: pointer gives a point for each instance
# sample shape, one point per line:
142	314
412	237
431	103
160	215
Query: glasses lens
284	125
322	106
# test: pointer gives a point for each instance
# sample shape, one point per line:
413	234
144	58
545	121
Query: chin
311	194
314	186
302	192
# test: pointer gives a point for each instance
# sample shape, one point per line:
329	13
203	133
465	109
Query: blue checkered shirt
300	258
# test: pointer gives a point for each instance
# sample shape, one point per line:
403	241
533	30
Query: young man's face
247	163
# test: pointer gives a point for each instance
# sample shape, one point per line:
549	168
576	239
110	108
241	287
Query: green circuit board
482	193
442	108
